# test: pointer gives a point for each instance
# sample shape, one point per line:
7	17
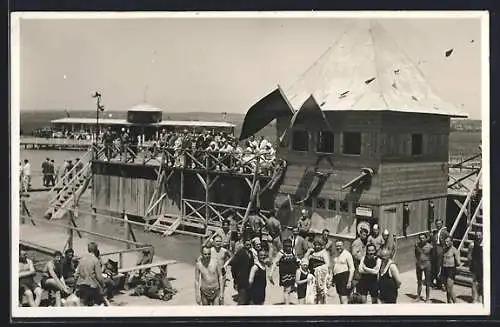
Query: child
301	279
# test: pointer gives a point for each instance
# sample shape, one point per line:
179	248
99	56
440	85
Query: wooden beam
213	182
202	181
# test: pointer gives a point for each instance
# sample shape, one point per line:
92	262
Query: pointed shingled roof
366	70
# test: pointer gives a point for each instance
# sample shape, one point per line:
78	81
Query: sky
219	65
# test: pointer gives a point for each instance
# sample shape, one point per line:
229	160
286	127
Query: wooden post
254	183
127	235
182	194
207	209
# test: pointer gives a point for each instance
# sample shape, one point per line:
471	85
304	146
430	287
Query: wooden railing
236	162
471	223
465	204
217	212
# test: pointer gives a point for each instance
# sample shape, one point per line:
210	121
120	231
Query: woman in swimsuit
301	280
287	263
389	280
319	264
258	280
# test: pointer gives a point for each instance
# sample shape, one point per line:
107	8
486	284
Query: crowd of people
87	280
308	265
221	151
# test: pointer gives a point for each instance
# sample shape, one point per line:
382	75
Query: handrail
471	223
155	204
88	232
464	205
72	170
70	182
137	249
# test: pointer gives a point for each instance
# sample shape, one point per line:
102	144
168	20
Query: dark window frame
320	143
323	202
293	144
417	144
332	205
347	144
342	208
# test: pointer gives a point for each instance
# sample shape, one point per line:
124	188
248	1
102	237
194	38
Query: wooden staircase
474	223
169	224
69	188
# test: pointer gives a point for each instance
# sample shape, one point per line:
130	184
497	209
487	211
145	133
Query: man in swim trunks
208	279
273	226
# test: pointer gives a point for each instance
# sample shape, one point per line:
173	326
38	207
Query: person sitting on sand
27	286
53	280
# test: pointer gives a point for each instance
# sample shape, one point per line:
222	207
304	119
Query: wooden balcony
190	159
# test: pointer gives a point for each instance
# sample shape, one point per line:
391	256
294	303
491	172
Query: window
308	202
344	206
325	142
416	144
352	143
300	141
332	205
321	203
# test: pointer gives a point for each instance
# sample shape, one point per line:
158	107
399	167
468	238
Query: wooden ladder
474	223
69	193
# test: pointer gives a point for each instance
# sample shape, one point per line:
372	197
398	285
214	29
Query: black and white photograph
250	164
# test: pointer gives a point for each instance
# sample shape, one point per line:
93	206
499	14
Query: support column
207	209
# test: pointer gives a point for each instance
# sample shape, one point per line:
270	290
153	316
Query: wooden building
368	141
405	156
142	119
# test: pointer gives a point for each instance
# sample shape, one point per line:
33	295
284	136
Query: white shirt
342	262
27	169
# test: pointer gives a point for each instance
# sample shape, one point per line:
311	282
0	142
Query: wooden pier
39	143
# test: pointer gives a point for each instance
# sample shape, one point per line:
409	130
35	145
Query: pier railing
227	161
